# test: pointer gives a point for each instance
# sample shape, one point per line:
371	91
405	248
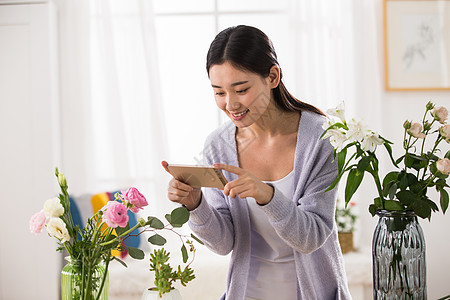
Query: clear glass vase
398	254
73	287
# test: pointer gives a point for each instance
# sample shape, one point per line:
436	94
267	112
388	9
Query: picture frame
417	45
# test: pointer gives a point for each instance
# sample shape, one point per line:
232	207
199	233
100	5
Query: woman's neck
274	122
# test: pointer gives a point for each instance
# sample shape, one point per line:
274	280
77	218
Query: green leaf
373	209
399	160
341	160
157	240
184	253
447	155
179	216
444	199
353	181
421	208
120	261
432	205
154	222
136	253
391	176
406	197
168	218
197	239
389	150
364	163
392	191
412	179
403	184
414	161
393	205
378	203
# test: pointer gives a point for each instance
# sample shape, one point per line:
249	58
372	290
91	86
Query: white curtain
114	135
322	31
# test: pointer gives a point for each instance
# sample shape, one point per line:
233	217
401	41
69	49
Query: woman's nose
232	103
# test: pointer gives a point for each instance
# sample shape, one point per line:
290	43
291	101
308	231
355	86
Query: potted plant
345	222
402	194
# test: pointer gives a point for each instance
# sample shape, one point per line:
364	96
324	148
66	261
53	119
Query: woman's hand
247	185
182	193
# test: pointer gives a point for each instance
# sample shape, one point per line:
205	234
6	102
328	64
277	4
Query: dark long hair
248	48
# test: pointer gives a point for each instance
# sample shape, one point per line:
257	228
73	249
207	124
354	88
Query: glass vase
73	287
398	254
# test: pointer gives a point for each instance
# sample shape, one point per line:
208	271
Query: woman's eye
242	91
219	93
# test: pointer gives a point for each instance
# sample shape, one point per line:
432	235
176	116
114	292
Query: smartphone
198	176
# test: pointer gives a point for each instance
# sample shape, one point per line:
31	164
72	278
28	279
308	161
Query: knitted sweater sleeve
211	221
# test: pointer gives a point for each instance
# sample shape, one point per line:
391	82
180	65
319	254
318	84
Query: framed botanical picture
417	44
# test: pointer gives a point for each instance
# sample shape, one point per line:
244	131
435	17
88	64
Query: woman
273	214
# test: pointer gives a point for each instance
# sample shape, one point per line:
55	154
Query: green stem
119	236
376	178
104	277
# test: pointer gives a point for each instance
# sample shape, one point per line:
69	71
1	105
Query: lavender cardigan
306	222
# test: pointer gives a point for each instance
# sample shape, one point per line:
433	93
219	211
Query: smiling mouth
240	114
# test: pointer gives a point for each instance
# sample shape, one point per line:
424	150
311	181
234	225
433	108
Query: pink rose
416	131
440	114
115	214
135	198
37	222
445	132
443	165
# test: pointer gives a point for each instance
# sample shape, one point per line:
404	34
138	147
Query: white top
272	269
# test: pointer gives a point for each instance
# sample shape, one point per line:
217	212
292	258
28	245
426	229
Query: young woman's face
244	96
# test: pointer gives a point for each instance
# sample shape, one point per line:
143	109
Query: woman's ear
274	76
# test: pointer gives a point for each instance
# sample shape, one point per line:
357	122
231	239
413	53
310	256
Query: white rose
416	131
445	132
370	142
57	228
356	131
339	111
443	165
53	208
440	114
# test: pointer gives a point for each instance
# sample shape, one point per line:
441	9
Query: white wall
29	149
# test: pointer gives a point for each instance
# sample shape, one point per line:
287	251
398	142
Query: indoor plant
345	222
398	246
89	248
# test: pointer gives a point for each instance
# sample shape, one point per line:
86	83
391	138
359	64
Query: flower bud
141	222
443	166
62	180
440	114
444	131
407	124
416	131
430	105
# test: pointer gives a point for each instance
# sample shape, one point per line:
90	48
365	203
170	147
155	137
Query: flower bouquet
404	188
91	246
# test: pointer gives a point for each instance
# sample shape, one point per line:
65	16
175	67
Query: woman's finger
230	168
165	165
176	184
